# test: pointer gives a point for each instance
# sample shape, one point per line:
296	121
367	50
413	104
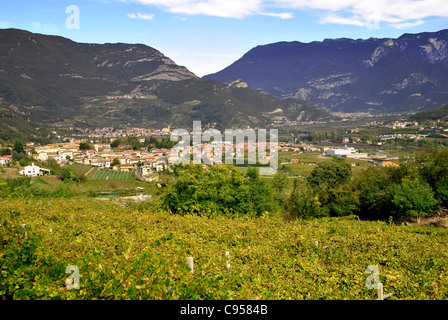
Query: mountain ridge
54	81
406	74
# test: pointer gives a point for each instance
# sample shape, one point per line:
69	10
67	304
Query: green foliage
5	152
18	146
373	188
327	175
26	161
115	143
23	265
85	146
441	192
115	162
127	254
440	113
342	201
52	165
160	143
220	189
413	197
14	186
67	174
279	184
16	156
303	203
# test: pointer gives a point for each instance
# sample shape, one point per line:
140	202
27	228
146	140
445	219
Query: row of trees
415	188
150	143
220	189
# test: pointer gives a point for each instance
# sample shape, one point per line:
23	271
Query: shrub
413	197
303	203
23	262
219	189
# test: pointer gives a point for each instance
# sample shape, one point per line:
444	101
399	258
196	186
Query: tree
18	146
67	174
85	146
413	197
115	143
279	184
115	162
330	174
303	203
373	188
5	152
219	189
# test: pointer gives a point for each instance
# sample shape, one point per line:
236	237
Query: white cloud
407	24
218	8
339	20
397	13
283	16
141	16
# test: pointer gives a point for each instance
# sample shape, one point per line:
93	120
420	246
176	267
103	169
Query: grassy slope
123	253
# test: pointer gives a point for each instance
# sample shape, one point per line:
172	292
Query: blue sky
208	35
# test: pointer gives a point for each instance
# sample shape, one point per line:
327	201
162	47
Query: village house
123	167
34	171
65	154
5	160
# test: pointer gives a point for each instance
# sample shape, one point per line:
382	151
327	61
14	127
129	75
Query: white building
34	171
65	154
341	152
5	160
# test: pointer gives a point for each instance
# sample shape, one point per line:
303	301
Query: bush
303	203
373	191
330	174
23	261
220	189
413	197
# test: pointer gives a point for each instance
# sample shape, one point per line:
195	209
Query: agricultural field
308	161
9	172
115	184
81	169
49	180
107	174
124	253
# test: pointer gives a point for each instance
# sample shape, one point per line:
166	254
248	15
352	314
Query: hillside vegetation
123	253
440	113
50	81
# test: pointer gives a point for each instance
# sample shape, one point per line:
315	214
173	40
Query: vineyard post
227	261
381	295
380	291
190	264
23	226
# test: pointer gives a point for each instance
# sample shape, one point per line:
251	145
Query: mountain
378	75
440	113
56	82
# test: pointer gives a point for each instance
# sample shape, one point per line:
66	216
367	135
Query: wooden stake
380	291
190	263
227	261
23	226
381	295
